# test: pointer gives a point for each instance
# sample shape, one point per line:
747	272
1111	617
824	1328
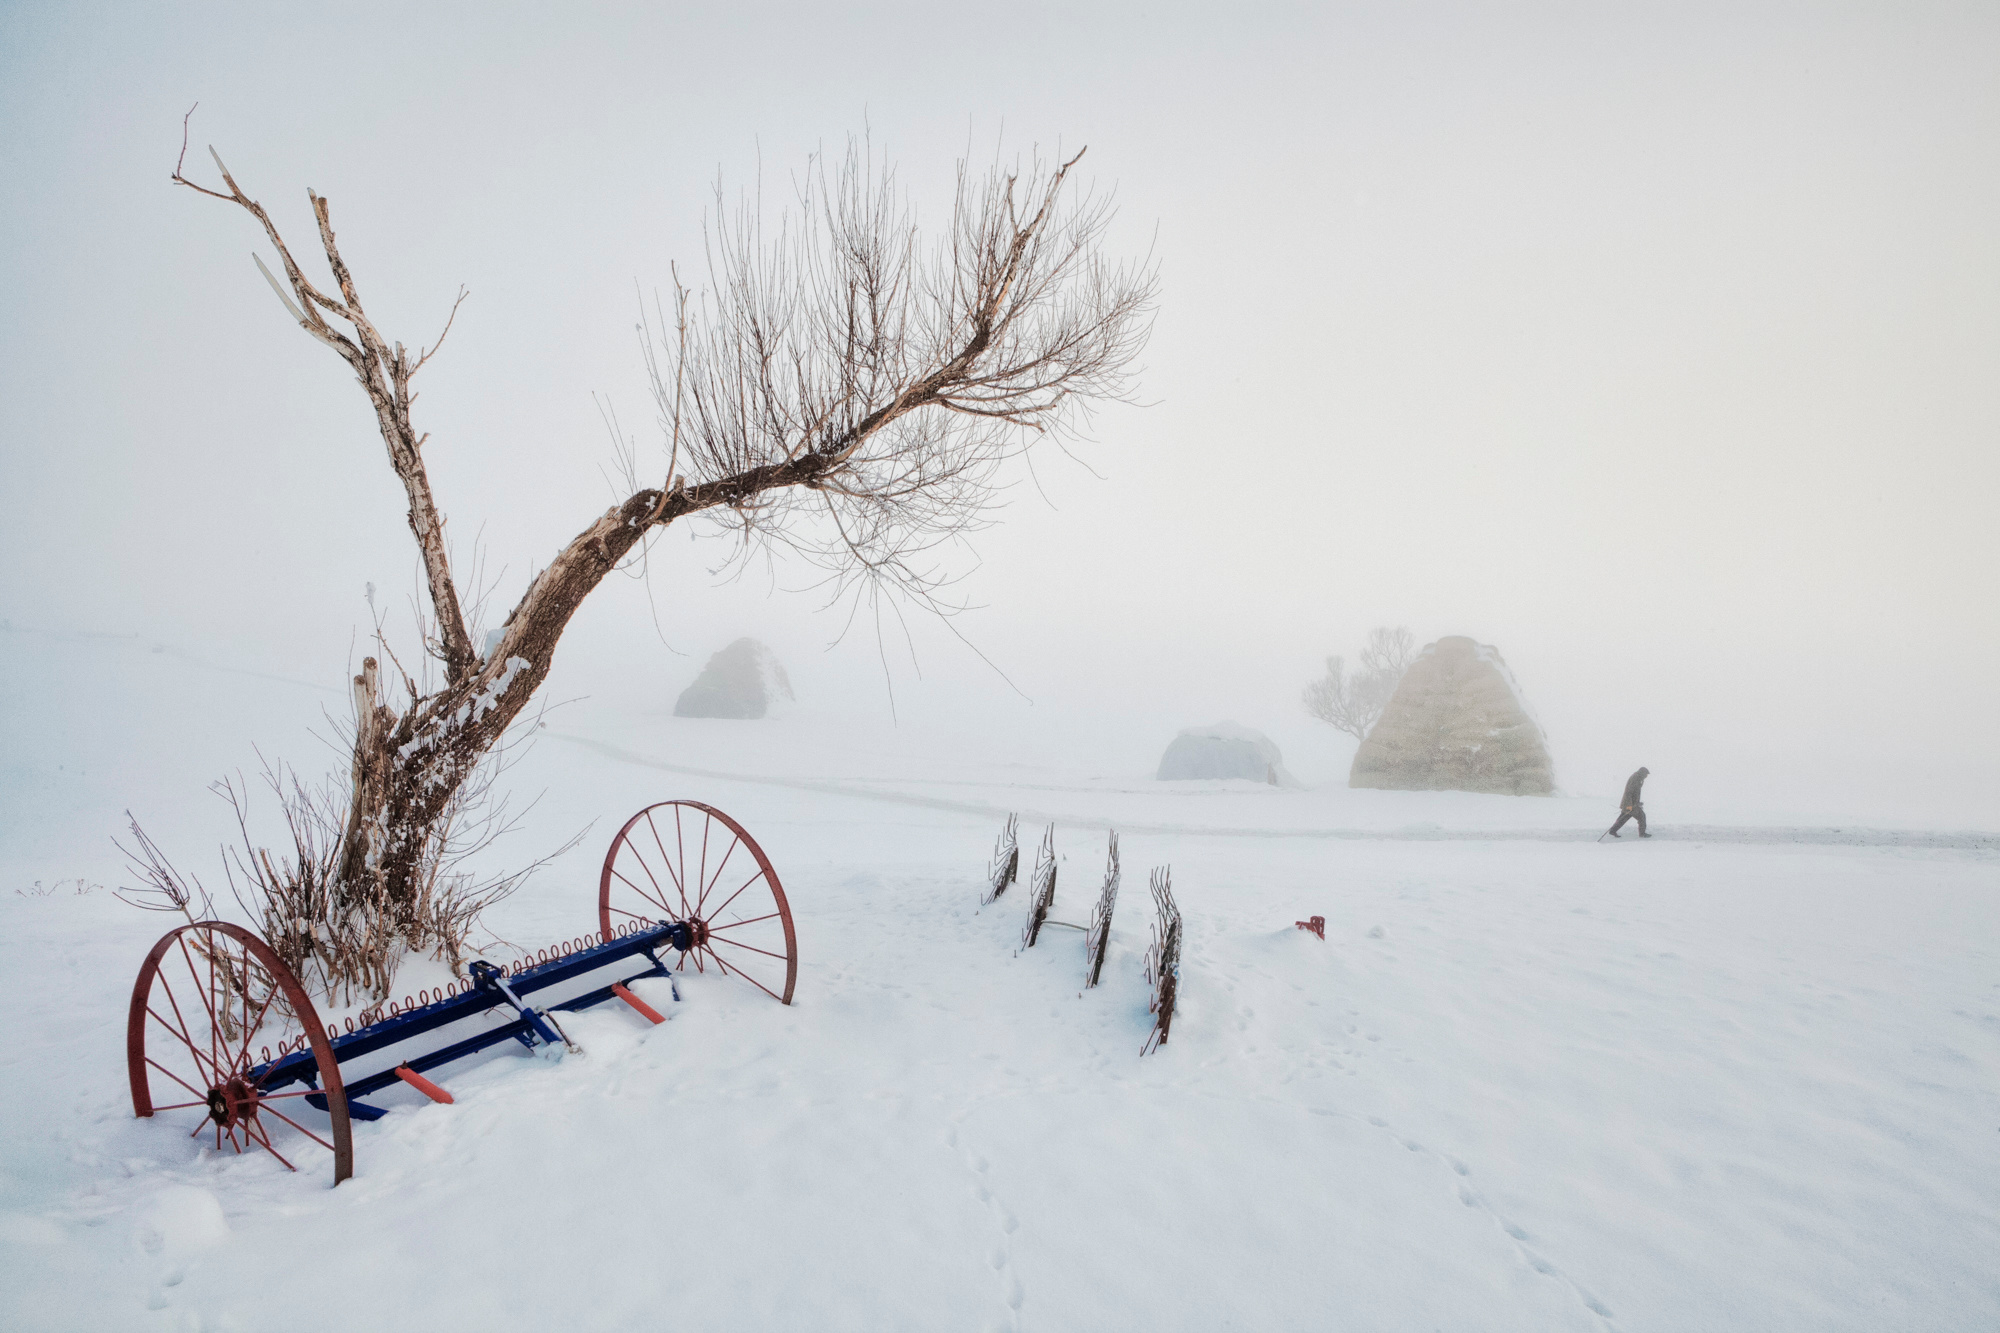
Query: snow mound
1224	750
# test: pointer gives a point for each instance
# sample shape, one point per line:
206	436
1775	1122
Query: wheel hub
232	1103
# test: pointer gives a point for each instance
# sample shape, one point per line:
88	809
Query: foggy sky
1655	345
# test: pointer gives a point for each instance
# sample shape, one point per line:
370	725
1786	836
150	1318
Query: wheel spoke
302	1129
213	1024
673	866
747	977
708	882
701	876
180	1106
739	892
237	1063
186	1033
265	1139
680	845
641	892
178	1079
714	929
188	1041
243	1056
739	944
648	869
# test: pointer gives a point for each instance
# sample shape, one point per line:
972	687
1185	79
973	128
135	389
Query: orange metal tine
423	1085
647	1010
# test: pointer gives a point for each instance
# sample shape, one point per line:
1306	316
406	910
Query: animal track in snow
1471	1199
1001	1257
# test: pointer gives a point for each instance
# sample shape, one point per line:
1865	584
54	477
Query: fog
1654	346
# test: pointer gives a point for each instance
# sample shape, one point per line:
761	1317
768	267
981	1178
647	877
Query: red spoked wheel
211	1002
685	861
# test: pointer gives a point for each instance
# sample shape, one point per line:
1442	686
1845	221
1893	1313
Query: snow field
1528	1082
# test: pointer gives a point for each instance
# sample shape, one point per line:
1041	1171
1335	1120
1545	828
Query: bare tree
846	387
1355	703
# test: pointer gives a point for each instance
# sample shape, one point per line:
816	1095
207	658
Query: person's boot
1645	835
1614	833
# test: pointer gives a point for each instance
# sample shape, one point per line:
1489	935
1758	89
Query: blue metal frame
491	989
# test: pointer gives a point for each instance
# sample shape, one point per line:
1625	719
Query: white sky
1656	346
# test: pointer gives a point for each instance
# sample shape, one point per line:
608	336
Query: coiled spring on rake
428	996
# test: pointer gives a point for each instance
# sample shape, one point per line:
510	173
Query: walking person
1631	807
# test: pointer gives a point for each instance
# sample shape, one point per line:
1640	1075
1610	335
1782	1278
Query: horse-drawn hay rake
684	889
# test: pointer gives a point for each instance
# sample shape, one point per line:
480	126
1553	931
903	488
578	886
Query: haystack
740	682
1224	750
1456	723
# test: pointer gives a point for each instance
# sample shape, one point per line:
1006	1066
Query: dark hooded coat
1632	785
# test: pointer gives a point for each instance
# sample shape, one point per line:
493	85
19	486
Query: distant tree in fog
845	389
1355	703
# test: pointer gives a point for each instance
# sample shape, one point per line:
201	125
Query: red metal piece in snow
423	1085
1316	924
618	989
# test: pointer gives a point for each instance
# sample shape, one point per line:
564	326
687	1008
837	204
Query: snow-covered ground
1743	1076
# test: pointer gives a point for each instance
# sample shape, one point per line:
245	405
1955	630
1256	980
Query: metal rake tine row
1098	941
1005	867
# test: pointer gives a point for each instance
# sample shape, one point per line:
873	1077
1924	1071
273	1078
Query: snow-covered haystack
1225	750
740	681
1456	723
